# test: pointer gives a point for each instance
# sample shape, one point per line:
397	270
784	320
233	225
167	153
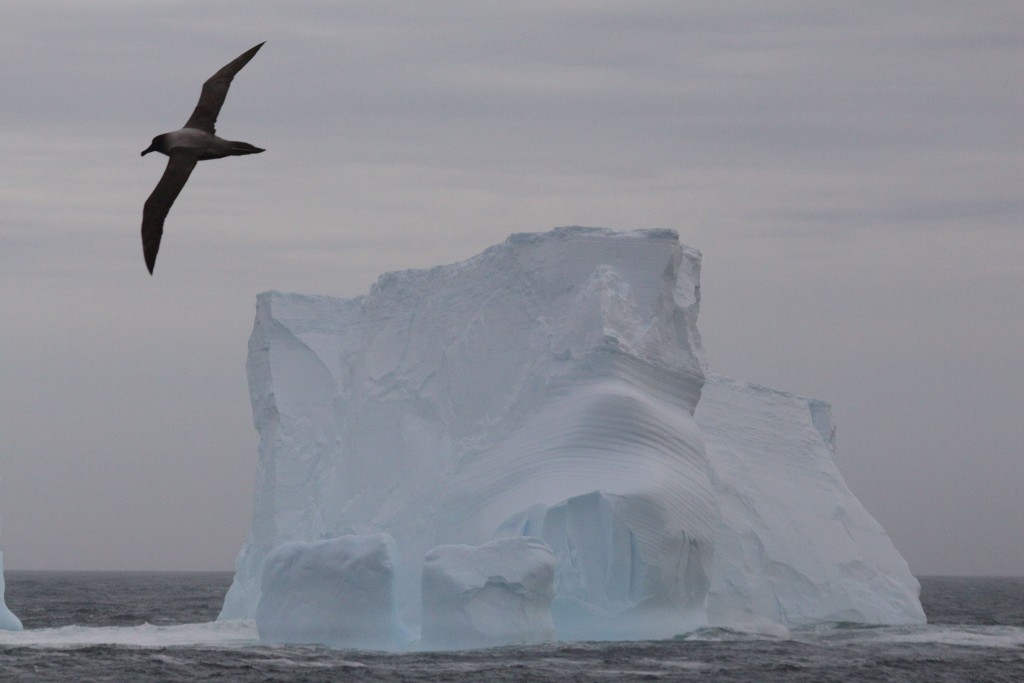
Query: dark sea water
107	626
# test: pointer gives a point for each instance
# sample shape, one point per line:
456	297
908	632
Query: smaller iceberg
337	592
8	622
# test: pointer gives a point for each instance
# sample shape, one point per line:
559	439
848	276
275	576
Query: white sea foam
227	633
241	634
965	636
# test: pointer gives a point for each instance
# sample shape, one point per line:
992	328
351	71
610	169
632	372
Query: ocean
140	626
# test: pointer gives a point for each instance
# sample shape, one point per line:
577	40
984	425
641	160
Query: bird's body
196	142
204	145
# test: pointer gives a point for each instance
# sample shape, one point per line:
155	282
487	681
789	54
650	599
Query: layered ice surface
544	388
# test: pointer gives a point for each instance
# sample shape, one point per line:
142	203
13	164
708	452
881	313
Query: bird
195	142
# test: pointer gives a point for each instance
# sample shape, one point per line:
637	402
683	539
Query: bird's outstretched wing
179	168
215	90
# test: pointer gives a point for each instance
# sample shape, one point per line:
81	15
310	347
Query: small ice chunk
337	592
8	622
498	593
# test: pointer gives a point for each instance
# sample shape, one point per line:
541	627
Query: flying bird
195	142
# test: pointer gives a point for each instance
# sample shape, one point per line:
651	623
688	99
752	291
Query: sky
851	172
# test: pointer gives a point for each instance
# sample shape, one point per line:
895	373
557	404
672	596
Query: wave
208	634
842	633
242	634
967	636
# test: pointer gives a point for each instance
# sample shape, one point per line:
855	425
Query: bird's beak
151	148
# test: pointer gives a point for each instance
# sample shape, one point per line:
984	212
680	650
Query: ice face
8	621
795	546
337	592
498	593
547	387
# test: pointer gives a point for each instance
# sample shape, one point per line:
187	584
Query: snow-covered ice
497	593
547	387
337	592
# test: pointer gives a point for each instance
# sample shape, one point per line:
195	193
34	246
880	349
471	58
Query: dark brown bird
195	142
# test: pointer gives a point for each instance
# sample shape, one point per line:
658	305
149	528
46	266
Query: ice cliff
547	388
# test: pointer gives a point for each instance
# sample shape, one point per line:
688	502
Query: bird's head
156	146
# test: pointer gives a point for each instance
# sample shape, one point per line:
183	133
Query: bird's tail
239	148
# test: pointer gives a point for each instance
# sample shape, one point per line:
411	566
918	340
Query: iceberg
498	593
336	592
8	620
547	388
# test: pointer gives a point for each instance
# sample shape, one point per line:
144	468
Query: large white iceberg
545	387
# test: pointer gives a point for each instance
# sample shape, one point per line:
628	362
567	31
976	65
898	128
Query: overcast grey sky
852	173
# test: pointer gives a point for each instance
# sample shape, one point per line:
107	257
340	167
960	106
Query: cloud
851	174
